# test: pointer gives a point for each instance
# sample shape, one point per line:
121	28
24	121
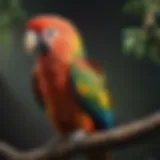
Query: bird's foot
77	136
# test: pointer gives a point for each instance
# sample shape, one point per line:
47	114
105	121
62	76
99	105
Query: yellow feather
103	99
82	88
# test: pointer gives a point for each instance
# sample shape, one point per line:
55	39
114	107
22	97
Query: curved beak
33	42
30	41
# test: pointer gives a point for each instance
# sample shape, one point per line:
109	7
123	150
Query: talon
78	136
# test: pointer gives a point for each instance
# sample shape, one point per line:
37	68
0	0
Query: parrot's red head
53	35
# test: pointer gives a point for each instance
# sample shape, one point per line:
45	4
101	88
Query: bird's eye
50	32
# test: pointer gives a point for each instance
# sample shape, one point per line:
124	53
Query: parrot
70	86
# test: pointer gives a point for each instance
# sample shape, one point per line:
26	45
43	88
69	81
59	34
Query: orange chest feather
60	102
55	90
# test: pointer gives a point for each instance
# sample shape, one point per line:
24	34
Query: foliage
10	11
141	6
134	37
144	40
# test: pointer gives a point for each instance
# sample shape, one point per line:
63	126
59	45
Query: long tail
98	156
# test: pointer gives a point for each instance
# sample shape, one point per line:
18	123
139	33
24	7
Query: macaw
70	86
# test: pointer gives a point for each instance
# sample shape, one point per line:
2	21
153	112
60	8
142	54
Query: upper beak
33	42
30	41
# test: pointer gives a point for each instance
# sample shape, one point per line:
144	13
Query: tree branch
116	138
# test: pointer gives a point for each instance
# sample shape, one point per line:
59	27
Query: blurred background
134	83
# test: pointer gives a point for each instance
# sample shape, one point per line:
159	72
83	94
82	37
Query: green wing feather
89	86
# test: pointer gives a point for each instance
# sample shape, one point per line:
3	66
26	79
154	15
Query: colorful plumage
70	86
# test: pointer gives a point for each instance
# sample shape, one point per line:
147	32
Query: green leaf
133	41
140	51
140	47
134	6
128	41
141	6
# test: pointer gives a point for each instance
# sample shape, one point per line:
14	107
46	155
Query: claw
78	136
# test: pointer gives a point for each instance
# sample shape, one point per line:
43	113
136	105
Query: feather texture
70	87
88	85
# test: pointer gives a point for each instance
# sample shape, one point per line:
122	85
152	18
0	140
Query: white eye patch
50	33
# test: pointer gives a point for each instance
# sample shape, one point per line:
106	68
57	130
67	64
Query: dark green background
134	84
